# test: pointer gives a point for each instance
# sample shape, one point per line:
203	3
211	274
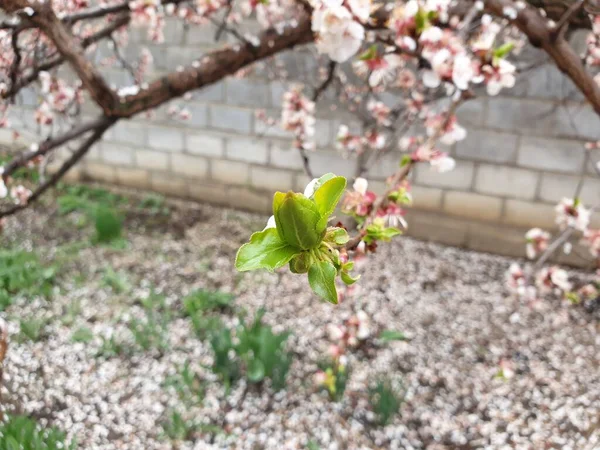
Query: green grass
22	273
23	433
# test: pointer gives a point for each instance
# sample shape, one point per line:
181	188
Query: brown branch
70	162
57	60
50	144
46	20
535	27
213	67
565	19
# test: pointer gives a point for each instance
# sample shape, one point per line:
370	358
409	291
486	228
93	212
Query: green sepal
503	50
297	220
321	277
337	236
266	250
300	263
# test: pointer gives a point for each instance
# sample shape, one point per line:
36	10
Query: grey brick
244	198
211	93
246	92
551	154
579	121
248	149
231	118
229	172
554	187
130	132
472	113
174	30
117	154
322	162
262	129
198	117
323	133
179	56
170	139
136	178
200	34
278	88
472	206
285	156
426	198
166	183
152	160
459	178
590	192
271	179
528	214
205	144
520	114
506	181
191	166
488	145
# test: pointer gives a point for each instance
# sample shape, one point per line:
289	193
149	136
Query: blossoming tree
430	55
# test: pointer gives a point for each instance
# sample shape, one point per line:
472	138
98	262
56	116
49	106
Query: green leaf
321	277
406	159
265	250
328	195
296	218
349	279
256	370
503	50
370	53
391	335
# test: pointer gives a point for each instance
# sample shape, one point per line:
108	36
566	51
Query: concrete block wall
524	150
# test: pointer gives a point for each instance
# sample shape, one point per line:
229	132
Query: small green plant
392	335
118	282
225	364
82	334
187	384
111	347
263	352
198	305
333	377
98	206
385	400
260	351
71	312
20	432
203	300
154	204
151	331
33	329
177	428
21	273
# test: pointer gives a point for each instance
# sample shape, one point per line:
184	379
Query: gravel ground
450	302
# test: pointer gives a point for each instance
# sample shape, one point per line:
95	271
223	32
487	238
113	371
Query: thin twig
70	162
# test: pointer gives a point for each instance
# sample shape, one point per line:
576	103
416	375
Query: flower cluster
537	242
571	213
297	116
336	23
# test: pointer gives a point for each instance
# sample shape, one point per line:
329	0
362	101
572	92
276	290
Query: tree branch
535	27
57	60
105	124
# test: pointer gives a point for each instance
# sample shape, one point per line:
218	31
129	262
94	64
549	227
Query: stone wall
524	150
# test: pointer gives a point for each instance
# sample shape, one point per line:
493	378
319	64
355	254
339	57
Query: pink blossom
591	238
551	279
572	213
537	241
